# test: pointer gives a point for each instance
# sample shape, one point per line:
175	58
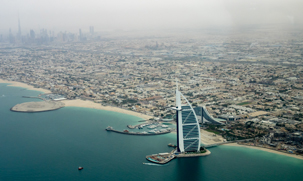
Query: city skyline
150	15
173	77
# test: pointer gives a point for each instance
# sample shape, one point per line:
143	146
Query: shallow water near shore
52	145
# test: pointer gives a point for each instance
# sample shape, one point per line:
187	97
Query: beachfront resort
256	91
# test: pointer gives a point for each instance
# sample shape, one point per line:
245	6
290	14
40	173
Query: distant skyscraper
32	34
80	34
188	129
91	30
11	36
44	38
19	29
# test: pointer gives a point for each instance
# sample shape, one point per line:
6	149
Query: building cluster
243	79
45	37
283	139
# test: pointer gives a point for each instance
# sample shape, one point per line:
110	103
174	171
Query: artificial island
188	131
188	134
50	102
255	86
37	106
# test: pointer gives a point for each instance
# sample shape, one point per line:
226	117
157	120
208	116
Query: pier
34	97
136	133
136	126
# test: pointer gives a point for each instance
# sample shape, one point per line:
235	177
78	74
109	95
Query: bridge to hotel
227	142
204	115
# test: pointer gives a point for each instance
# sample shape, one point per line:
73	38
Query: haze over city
109	15
111	90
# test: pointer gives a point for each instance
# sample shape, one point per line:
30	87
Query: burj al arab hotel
188	129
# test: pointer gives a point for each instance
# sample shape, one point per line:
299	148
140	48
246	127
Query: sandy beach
208	138
78	102
90	104
265	149
29	87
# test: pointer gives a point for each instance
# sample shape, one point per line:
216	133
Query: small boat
152	127
80	168
152	131
109	128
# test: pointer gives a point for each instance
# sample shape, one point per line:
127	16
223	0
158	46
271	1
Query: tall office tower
19	29
188	129
80	34
44	38
91	30
11	36
32	34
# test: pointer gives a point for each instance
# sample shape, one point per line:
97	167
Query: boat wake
154	164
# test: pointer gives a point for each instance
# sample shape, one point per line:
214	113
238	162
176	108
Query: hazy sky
71	15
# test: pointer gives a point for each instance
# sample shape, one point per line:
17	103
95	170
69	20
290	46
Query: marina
149	125
144	133
64	154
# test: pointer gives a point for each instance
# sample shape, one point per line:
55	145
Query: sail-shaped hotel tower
188	129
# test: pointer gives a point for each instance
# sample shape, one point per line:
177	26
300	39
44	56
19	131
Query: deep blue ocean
52	145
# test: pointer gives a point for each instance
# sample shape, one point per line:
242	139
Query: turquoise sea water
52	145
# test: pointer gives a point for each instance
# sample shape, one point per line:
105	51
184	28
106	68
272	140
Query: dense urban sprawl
252	81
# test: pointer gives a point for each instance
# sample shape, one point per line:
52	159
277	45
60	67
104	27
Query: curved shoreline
23	85
90	104
93	105
267	150
78	102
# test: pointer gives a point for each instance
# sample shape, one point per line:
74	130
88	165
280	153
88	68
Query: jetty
137	126
35	97
109	128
